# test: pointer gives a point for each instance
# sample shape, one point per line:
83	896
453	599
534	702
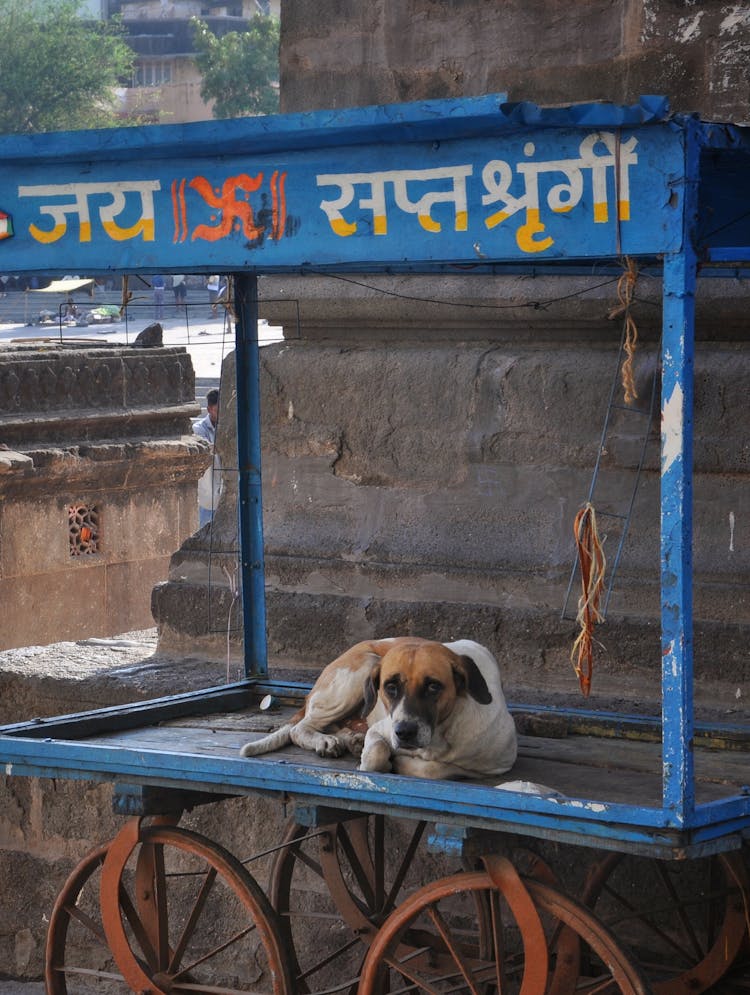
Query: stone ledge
117	378
104	465
73	676
11	461
547	309
307	630
76	426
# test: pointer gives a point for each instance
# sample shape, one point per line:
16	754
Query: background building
165	87
166	83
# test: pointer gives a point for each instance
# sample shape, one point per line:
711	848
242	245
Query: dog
434	710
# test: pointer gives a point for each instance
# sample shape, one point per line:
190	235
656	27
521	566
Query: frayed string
625	290
592	565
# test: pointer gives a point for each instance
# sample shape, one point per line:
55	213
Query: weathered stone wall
426	477
97	486
546	51
431	487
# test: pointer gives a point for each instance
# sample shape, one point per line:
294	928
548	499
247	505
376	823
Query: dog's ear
468	677
372	686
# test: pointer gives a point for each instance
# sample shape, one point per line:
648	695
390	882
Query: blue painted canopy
476	183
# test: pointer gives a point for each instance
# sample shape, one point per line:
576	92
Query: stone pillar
426	478
382	53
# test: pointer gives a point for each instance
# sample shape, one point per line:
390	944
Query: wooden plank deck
605	769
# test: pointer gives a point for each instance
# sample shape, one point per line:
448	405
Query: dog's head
418	683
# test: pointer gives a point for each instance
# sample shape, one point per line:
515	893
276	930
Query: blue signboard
501	195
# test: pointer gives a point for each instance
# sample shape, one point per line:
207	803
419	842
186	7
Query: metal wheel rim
152	930
62	912
360	910
575	919
730	937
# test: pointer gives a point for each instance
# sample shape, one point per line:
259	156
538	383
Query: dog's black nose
406	731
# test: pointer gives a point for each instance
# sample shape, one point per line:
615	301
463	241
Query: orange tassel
625	288
592	565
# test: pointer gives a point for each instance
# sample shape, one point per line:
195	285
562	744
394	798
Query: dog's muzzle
410	734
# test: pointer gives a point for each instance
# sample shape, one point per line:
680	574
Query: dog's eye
391	689
433	687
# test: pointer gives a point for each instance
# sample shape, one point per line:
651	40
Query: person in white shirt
209	485
206	427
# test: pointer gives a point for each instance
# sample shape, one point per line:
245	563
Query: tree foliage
239	69
57	70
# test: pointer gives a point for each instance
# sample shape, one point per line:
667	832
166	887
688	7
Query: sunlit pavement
207	337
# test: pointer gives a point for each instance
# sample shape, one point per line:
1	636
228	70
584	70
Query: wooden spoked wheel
333	886
491	931
685	921
76	950
164	910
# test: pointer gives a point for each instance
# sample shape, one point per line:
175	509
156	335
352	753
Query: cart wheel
77	948
491	931
163	909
685	921
528	864
333	886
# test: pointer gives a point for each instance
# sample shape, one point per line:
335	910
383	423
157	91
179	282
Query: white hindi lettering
77	203
497	177
375	198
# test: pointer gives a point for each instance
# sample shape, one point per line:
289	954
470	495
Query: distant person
70	312
223	295
158	285
210	484
205	427
179	286
213	284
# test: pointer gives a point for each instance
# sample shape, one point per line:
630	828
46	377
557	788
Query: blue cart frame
476	183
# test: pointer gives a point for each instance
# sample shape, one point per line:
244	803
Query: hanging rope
592	565
625	290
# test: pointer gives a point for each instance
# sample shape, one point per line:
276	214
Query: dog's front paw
357	744
351	742
330	746
376	758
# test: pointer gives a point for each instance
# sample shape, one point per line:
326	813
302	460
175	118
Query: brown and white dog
432	709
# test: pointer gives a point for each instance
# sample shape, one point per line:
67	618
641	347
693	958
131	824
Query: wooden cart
489	187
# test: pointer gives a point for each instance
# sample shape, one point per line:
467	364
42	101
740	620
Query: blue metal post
249	485
677	509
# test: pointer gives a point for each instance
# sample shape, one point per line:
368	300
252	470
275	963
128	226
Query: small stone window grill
83	520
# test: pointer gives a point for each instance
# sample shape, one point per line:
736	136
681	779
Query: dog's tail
273	741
